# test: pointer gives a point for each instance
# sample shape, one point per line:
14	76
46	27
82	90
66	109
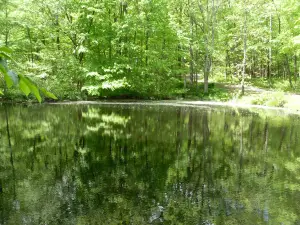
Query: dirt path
251	92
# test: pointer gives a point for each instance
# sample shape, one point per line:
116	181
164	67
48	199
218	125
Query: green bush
274	99
214	93
283	85
219	77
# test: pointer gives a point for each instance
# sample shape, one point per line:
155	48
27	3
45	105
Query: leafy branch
25	84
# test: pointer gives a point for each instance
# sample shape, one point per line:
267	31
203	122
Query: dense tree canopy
150	47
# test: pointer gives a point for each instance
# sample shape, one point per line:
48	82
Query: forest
179	161
148	49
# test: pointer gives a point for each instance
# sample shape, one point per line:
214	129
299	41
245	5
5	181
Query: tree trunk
295	68
288	70
245	53
226	64
30	41
191	65
57	32
212	37
270	51
261	69
6	24
110	38
206	72
191	52
253	66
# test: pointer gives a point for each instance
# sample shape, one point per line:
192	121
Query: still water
147	164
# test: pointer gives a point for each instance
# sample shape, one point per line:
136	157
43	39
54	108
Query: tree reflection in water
148	164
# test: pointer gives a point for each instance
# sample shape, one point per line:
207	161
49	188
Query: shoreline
180	103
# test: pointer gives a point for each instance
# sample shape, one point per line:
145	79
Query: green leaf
48	94
33	89
5	55
8	80
24	87
3	63
36	92
6	50
1	92
2	69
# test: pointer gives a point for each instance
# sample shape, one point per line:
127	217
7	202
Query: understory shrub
272	99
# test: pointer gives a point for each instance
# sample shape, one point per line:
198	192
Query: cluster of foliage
24	83
270	99
146	48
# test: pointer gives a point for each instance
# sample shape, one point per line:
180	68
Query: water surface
139	164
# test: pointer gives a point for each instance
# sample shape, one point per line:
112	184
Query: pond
148	164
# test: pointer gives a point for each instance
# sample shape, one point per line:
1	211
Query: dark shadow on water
139	164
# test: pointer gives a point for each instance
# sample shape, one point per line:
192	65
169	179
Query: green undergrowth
272	99
275	84
214	94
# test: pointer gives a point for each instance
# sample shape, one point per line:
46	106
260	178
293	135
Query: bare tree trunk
270	51
206	71
147	46
278	68
253	65
295	68
245	51
261	69
196	73
57	33
212	35
191	52
30	41
209	20
288	70
207	62
226	64
110	39
6	24
191	65
278	17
